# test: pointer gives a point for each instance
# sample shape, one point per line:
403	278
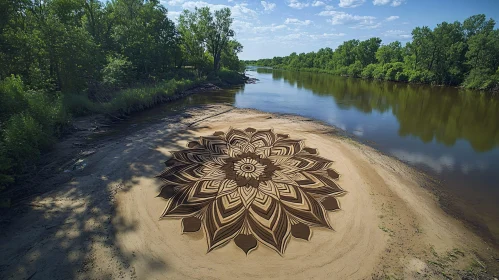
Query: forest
455	54
65	58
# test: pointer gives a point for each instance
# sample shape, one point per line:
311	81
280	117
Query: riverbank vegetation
62	58
453	54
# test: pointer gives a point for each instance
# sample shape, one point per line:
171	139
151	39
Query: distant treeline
454	54
61	58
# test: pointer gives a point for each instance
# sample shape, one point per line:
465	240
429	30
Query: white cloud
393	3
173	15
307	36
244	27
318	4
329	8
199	4
297	21
351	3
326	35
175	2
242	11
295	4
267	6
272	28
381	2
391	18
397	34
358	22
397	3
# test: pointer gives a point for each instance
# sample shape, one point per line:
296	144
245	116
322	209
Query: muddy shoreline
87	208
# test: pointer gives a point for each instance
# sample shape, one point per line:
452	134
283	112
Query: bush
23	139
392	69
118	72
368	72
29	121
230	76
379	72
12	99
355	69
402	76
482	79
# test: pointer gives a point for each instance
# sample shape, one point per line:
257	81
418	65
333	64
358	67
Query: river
451	134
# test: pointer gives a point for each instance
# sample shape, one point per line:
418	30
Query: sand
104	223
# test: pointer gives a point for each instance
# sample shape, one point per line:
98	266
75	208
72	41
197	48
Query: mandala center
249	168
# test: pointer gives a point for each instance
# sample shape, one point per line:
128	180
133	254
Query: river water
451	134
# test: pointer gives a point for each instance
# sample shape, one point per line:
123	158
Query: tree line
64	57
453	54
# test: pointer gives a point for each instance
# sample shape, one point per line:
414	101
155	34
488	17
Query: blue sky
277	28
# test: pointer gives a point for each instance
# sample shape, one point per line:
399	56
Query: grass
30	121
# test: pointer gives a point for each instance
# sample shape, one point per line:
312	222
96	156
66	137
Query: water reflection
430	113
451	133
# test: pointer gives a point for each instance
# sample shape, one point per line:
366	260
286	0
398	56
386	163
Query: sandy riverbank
103	223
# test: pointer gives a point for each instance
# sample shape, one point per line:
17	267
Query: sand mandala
249	186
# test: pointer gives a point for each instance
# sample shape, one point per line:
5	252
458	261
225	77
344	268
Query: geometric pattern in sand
251	186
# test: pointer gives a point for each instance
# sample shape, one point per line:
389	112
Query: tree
218	32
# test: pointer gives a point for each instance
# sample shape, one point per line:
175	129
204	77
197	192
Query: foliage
451	54
206	33
63	58
117	73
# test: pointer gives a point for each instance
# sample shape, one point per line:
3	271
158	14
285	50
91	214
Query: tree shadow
54	236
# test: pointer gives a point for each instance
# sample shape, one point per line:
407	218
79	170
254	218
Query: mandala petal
236	137
333	174
191	224
178	206
331	203
191	199
319	183
311	151
193	156
286	147
246	242
268	222
301	231
223	220
247	195
214	144
308	162
182	174
269	188
226	187
194	144
302	206
263	138
281	177
263	152
167	191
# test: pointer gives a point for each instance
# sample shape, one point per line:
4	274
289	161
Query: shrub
355	69
12	99
392	69
230	76
118	72
482	79
402	76
23	139
367	73
379	72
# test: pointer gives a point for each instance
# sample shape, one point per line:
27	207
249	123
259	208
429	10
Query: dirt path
103	223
